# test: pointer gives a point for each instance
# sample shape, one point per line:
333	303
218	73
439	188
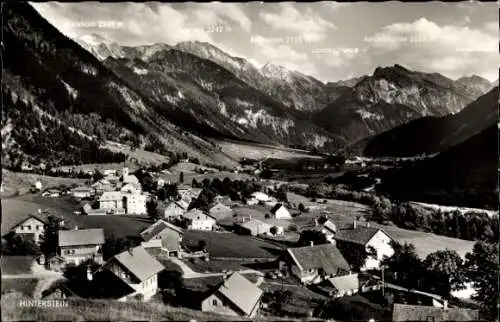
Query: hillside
464	175
434	134
66	86
390	97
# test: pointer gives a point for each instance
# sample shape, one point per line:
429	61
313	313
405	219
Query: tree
16	245
162	194
302	208
195	184
397	265
181	177
281	194
446	267
97	175
273	230
151	207
202	244
307	236
49	240
481	268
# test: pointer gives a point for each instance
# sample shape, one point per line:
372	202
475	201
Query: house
175	209
328	228
78	245
131	188
102	186
160	183
312	264
82	192
37	185
163	235
31	228
137	269
260	196
280	212
51	193
198	220
253	227
406	312
235	296
345	285
220	211
188	194
128	178
126	203
109	172
363	238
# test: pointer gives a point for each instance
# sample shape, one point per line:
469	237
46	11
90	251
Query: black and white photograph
250	161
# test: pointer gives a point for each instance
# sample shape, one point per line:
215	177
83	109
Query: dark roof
276	207
75	237
104	285
405	312
139	262
156	228
359	235
326	257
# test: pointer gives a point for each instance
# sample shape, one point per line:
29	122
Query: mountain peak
274	70
95	39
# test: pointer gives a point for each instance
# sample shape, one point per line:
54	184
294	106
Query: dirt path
188	273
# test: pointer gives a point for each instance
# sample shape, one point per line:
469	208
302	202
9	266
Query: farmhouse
253	227
30	228
82	192
136	268
312	264
198	220
235	296
175	209
346	285
51	193
280	212
260	196
405	312
220	211
78	245
188	194
163	235
109	172
363	239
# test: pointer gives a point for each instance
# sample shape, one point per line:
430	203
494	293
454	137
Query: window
214	302
22	227
430	319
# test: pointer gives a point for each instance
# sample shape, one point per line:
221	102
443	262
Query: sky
327	40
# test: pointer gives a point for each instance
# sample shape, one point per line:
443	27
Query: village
244	248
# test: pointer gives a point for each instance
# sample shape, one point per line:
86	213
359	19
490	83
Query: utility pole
383	281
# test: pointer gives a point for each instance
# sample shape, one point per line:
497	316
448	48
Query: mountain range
435	134
182	96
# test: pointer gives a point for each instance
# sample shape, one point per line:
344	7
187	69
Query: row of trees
468	226
444	271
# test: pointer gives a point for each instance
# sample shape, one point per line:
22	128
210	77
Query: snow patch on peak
95	39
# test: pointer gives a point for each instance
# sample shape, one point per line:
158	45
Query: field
16	264
189	174
238	150
102	166
25	286
15	181
230	245
142	156
102	310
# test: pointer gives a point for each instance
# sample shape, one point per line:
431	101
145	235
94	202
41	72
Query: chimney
368	224
89	274
130	251
445	305
311	243
354	224
76	227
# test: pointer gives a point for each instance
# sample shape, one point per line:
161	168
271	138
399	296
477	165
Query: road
45	278
188	273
